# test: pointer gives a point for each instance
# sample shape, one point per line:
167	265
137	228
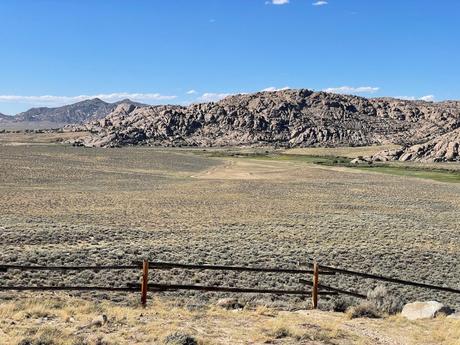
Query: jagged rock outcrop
288	118
445	148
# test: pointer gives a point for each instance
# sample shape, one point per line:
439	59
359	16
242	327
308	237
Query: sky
55	52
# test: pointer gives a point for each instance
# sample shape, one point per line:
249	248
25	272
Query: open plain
63	205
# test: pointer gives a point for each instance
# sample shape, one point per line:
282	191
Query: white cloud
191	92
320	3
352	90
213	97
427	98
59	100
277	2
272	89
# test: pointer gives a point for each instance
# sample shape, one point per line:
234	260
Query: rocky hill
76	113
288	118
4	117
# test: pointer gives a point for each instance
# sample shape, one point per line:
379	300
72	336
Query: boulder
99	321
424	310
229	303
360	160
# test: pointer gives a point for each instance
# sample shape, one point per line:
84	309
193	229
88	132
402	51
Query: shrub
39	341
26	341
281	332
341	304
384	302
179	338
365	309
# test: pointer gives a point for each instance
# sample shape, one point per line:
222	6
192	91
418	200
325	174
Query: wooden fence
314	287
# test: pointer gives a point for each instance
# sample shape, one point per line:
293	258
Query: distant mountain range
4	117
288	118
87	110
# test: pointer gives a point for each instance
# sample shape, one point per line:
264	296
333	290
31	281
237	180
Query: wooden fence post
314	290
145	282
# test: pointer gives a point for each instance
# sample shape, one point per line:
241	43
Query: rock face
424	310
80	112
288	118
445	148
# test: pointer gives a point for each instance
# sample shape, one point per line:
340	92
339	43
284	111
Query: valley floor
63	205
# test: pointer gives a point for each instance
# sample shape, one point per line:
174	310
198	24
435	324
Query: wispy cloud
277	2
272	89
109	97
320	3
191	92
352	90
427	98
212	96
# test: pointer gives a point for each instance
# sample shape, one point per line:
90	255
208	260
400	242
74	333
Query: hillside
288	118
80	112
4	117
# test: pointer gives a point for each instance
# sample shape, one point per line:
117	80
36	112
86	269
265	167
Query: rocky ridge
87	110
4	117
288	118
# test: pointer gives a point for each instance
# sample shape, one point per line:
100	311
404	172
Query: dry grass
62	320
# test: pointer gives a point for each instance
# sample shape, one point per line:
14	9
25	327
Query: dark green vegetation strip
442	175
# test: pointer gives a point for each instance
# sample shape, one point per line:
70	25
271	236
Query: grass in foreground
62	320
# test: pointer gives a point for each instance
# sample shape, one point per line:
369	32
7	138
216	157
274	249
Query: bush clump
341	304
179	338
281	333
365	309
384	302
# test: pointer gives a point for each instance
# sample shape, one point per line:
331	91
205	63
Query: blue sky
182	51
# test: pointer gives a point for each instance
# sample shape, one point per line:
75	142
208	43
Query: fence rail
391	280
171	265
5	268
317	288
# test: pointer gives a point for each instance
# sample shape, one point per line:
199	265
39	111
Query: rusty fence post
145	282
314	290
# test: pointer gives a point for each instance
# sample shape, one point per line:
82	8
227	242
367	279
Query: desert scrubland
62	205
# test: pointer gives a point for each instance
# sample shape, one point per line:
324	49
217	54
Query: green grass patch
442	175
